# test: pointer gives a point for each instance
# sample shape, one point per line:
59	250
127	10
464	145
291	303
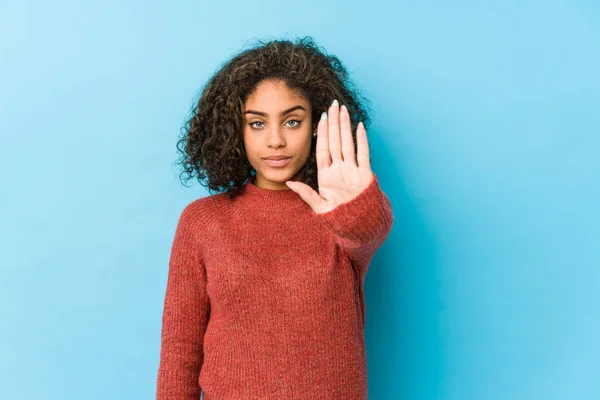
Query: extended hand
341	175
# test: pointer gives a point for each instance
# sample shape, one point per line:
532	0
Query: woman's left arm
349	201
361	225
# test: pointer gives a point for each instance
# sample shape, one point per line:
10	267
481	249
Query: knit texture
265	299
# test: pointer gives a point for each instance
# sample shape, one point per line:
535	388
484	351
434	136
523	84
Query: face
277	122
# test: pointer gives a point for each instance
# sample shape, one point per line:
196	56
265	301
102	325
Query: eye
255	122
295	120
297	123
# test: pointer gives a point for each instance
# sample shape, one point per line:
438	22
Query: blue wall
485	136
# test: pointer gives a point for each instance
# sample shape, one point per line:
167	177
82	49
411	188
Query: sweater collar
270	199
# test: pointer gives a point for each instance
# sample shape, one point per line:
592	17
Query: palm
342	174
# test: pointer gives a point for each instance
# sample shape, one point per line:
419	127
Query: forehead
275	95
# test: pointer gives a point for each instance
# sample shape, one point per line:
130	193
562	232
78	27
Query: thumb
307	193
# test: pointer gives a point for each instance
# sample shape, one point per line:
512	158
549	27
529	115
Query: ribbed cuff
363	219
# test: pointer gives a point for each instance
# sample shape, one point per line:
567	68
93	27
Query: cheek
303	151
249	146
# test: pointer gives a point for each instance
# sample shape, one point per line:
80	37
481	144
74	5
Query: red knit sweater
264	297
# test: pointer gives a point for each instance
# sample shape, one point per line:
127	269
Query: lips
276	158
277	161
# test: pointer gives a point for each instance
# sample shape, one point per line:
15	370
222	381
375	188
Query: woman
264	297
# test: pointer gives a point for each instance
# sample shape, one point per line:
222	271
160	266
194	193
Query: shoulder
205	207
202	213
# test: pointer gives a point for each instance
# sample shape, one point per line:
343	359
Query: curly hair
211	142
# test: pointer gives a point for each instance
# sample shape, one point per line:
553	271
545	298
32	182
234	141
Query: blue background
485	136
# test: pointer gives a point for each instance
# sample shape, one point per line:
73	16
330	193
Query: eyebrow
289	110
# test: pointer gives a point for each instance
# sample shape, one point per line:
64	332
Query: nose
275	138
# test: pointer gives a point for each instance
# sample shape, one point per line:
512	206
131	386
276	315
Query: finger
333	118
307	193
362	153
322	150
346	134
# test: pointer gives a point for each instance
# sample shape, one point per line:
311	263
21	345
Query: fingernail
335	103
324	115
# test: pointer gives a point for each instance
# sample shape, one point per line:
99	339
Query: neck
268	199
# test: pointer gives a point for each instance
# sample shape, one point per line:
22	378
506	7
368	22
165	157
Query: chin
281	175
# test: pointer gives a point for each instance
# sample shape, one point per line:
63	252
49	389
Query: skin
270	134
343	173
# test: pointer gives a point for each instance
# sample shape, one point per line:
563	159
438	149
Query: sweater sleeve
361	225
185	315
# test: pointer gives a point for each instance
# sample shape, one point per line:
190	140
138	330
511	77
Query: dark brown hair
211	142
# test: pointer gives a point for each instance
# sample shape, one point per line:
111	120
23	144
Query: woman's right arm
185	316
